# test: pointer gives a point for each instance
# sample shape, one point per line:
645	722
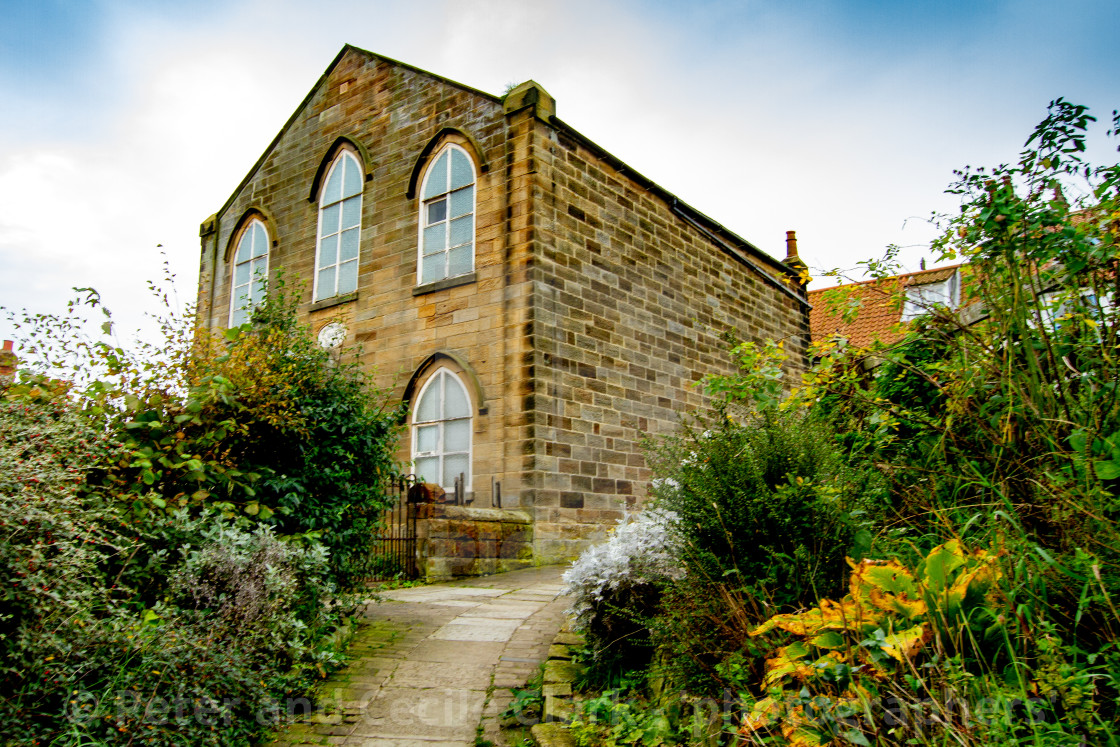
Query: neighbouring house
541	306
881	310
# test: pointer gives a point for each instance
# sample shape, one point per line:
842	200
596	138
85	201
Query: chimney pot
791	245
8	363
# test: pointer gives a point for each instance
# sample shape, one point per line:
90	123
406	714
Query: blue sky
129	121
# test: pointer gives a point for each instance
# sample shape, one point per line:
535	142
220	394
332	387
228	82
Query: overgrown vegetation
918	544
181	523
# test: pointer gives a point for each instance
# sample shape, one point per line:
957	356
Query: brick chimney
8	362
792	261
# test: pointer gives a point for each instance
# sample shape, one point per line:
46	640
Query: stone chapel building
540	305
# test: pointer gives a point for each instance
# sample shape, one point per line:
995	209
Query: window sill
326	303
444	284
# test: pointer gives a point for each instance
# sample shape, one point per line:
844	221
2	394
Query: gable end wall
394	111
628	304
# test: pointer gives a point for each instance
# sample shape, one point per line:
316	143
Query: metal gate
395	549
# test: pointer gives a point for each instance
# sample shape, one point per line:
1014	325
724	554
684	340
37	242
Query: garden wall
455	541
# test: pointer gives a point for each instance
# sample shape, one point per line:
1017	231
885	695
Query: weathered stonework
595	303
464	541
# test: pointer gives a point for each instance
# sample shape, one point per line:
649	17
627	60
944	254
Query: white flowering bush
616	586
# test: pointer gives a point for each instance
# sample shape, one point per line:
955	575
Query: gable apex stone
530	94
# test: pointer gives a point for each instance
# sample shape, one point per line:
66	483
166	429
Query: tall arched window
441	431
340	226
250	272
447	216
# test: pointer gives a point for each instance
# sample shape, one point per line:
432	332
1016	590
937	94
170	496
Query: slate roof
879	307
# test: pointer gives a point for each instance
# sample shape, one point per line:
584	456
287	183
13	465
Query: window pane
353	183
437	211
348	276
258	289
428	468
461	260
351	212
349	247
435	238
260	240
462	202
433	268
452	466
244	249
242	273
328	220
428	409
455	400
427	439
462	173
241	297
328	251
260	267
462	230
437	178
326	283
457	435
333	190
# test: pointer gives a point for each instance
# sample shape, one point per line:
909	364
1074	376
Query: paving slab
433	662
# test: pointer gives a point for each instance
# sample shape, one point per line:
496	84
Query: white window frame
344	159
422	218
251	233
443	378
920	299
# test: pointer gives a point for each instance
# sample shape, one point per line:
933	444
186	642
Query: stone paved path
435	665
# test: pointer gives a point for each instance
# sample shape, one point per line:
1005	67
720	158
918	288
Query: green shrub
910	656
240	618
766	500
1007	429
178	519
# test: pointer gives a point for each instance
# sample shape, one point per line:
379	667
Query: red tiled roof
879	308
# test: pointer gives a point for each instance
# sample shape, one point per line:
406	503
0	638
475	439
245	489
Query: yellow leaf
899	603
762	715
889	576
906	644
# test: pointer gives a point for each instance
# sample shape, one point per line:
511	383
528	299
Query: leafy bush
241	618
178	520
864	668
998	427
268	427
765	499
1006	429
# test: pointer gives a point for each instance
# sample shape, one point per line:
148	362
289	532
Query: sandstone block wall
629	300
392	112
465	541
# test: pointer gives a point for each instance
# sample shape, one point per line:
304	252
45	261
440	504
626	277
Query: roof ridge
891	278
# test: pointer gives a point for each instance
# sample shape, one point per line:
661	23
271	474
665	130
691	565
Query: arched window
447	216
250	272
441	431
340	226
